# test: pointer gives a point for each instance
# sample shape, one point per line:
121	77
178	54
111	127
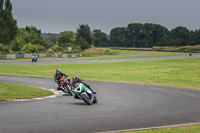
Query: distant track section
101	61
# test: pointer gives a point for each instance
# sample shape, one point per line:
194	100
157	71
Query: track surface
101	61
119	107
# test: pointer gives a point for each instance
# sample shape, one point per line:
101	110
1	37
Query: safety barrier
17	56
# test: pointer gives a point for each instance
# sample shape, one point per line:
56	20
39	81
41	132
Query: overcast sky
55	16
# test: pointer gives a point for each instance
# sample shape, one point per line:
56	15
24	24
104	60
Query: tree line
149	35
30	39
136	35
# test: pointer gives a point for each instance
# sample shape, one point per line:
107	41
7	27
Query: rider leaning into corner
76	79
59	75
80	86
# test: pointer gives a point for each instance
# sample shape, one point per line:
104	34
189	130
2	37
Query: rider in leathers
59	75
76	79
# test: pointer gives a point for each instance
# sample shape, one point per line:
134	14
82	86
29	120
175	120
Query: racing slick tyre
86	99
69	91
95	99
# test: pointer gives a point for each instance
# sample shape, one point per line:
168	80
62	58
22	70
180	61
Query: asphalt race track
100	61
119	107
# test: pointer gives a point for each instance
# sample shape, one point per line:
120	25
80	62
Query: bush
57	49
31	48
50	52
4	49
17	44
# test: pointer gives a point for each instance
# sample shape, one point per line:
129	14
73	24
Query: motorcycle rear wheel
95	99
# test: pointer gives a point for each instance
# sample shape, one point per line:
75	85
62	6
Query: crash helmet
75	78
57	70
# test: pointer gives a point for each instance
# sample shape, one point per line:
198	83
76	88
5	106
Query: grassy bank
133	55
195	48
186	129
14	91
181	73
178	49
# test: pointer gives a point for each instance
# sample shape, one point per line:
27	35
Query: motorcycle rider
34	56
59	75
76	79
79	87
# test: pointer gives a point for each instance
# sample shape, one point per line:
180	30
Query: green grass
14	91
186	129
154	54
195	48
181	73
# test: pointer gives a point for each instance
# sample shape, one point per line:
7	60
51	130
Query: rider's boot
59	88
76	97
91	90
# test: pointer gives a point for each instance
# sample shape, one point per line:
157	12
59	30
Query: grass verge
185	129
9	92
180	73
181	49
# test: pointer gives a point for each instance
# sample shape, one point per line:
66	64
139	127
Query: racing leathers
80	88
57	77
79	80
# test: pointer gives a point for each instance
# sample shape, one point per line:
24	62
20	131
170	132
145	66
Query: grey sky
55	16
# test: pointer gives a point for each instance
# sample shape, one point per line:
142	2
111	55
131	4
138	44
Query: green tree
33	36
28	35
180	36
118	37
139	35
66	39
83	44
155	35
100	38
33	48
19	40
8	25
52	37
195	37
135	34
33	29
84	36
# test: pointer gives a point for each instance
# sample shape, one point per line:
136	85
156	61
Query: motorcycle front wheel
68	89
86	99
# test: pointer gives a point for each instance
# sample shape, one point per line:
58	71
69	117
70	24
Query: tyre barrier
17	56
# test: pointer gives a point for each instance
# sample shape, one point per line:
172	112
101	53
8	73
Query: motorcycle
83	93
34	59
65	86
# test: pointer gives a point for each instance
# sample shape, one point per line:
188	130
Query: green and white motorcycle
83	93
